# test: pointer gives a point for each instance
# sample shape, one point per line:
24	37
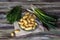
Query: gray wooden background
30	0
51	8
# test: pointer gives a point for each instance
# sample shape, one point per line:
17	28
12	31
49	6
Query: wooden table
51	8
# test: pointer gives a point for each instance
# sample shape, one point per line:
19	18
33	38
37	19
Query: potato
34	16
12	34
27	13
26	26
35	23
23	27
25	17
17	30
21	19
29	28
28	21
32	19
30	25
21	23
30	16
25	21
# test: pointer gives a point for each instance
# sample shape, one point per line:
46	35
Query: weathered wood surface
51	8
29	0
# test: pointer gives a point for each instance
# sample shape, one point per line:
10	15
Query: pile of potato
27	22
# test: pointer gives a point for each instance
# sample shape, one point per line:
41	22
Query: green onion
45	19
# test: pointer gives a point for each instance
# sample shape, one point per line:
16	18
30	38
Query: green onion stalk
48	21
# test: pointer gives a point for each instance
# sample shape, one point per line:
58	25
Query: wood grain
51	8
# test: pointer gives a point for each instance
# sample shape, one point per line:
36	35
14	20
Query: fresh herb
47	21
14	14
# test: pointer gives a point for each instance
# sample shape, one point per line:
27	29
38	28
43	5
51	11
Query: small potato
32	19
21	19
17	30
28	20
29	28
26	26
34	16
25	17
30	25
21	23
27	13
30	16
25	22
23	27
35	23
12	34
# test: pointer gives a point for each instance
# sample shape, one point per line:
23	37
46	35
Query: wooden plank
52	8
30	2
6	6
